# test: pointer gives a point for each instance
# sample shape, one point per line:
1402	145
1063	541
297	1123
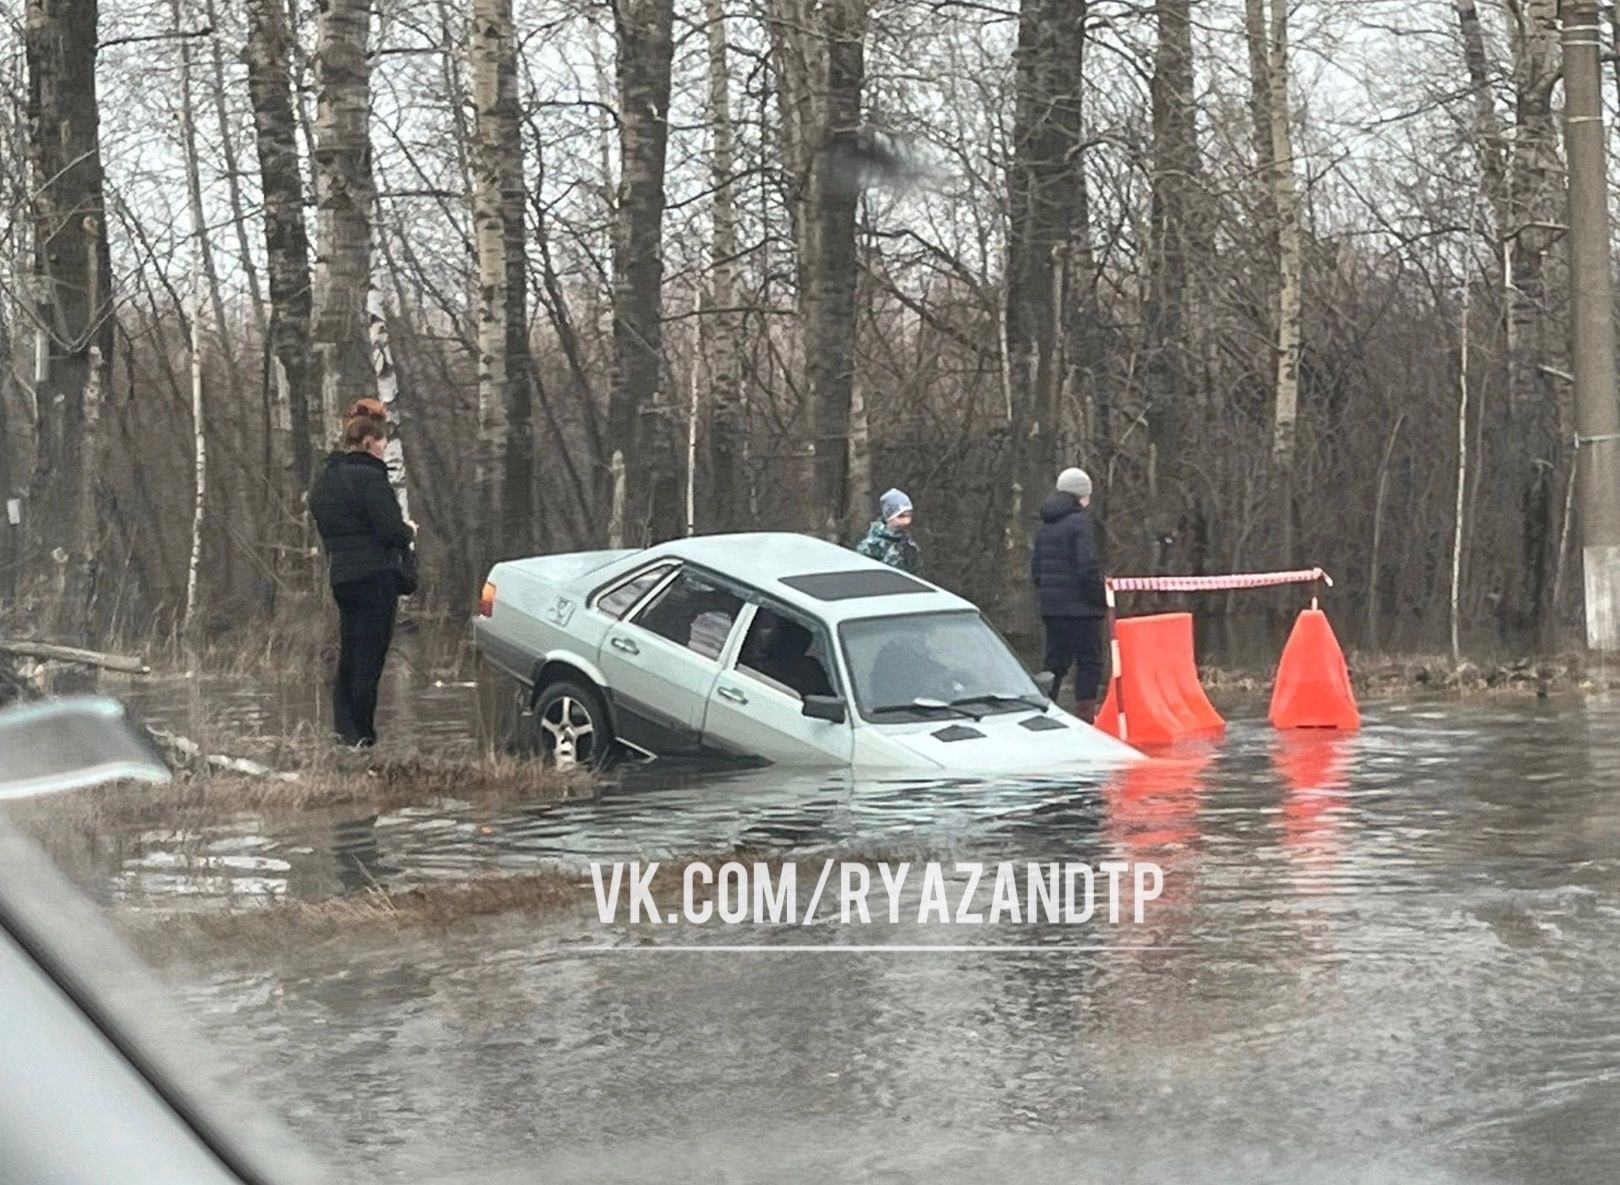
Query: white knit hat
1074	481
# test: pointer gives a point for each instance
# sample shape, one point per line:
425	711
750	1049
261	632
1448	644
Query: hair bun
368	407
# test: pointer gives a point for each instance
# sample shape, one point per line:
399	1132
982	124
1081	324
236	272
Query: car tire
570	725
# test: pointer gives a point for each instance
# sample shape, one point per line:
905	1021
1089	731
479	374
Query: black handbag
406	577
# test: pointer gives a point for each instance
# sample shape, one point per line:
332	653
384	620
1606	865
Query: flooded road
1388	957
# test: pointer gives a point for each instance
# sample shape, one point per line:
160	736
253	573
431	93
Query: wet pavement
1387	957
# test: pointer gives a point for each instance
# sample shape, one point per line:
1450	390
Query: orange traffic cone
1312	689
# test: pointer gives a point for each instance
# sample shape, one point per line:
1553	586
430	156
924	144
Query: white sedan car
778	647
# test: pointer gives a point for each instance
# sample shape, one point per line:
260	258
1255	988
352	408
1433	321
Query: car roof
775	561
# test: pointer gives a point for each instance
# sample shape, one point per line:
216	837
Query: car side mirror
826	707
1045	681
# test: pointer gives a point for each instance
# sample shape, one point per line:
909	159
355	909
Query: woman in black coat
365	537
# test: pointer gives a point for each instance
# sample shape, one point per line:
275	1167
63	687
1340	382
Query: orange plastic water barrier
1154	696
1312	689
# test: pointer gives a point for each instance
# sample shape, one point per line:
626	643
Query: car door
660	663
753	709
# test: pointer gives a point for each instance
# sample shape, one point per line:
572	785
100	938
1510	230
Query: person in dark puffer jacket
1068	578
364	533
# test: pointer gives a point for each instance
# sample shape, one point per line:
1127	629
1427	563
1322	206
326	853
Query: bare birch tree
830	299
645	38
506	444
724	324
1537	409
819	65
1271	32
1044	181
72	298
286	243
1176	177
344	196
202	265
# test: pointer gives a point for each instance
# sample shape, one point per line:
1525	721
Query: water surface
1387	957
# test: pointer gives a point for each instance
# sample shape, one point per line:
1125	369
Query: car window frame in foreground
122	1079
129	1028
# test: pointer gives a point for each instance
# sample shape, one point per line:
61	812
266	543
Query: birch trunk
818	57
505	440
1176	175
199	446
1268	55
207	276
644	31
799	64
1044	182
1537	410
72	287
835	193
1462	468
727	509
286	247
200	268
386	379
692	452
231	159
344	197
1489	143
11	442
1374	584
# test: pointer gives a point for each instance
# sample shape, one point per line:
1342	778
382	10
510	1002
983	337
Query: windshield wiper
923	704
997	697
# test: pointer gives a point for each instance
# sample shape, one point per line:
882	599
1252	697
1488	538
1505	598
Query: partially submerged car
769	646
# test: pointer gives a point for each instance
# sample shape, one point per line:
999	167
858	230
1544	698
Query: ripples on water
1387	957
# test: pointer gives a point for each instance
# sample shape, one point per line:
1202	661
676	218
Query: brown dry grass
353	787
299	639
296	925
1387	677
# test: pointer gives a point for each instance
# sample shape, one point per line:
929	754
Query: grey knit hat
1074	481
892	503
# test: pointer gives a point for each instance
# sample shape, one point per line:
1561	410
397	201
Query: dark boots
1086	709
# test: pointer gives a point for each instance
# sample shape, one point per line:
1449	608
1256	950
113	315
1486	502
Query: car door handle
732	694
626	645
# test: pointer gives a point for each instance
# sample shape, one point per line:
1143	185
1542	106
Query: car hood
1011	742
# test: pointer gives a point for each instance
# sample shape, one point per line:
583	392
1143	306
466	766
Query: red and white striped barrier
1190	584
1112	715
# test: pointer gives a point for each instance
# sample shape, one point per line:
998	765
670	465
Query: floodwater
1391	957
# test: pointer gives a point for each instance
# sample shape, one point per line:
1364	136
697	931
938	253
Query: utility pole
1597	414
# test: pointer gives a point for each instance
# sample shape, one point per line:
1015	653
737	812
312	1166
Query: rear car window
693	613
619	601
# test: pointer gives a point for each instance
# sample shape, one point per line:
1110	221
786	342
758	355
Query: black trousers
1076	642
366	621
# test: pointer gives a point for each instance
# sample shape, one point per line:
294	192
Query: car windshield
948	658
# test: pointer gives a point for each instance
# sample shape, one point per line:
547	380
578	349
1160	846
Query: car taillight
486	600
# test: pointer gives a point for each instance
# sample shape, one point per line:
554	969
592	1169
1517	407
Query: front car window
786	653
694	613
949	657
